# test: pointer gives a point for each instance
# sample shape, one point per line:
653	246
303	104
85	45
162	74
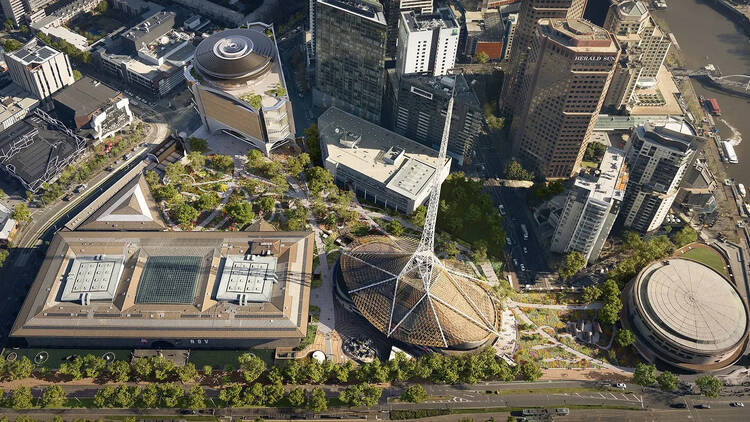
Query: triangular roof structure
126	205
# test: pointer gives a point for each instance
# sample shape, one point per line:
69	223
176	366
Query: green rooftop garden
252	99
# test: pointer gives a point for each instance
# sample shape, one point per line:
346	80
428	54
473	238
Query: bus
525	232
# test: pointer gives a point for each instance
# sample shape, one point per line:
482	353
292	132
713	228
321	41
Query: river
707	36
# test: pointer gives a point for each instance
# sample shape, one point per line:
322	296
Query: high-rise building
658	157
569	67
427	43
39	69
417	106
528	18
392	10
511	23
591	208
24	11
350	56
644	49
238	86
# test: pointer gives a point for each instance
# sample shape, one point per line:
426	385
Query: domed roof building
454	312
687	315
238	85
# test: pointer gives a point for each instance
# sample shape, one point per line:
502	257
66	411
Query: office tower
392	10
417	107
644	48
238	86
427	43
591	208
39	69
657	157
350	56
485	33
569	67
528	17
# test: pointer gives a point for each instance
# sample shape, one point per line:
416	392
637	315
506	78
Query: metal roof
235	54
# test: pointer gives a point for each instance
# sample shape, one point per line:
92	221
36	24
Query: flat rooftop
86	95
403	165
143	28
612	179
13	100
442	19
45	148
369	9
170	285
33	53
579	35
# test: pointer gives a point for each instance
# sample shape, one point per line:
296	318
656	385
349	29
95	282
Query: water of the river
706	36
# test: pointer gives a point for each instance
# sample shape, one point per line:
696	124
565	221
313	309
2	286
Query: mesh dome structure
453	313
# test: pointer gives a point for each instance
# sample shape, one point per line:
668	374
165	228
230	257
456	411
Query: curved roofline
647	318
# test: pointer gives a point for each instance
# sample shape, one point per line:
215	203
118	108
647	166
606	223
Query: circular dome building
234	56
453	313
238	86
687	315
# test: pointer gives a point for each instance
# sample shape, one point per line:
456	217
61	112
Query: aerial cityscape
438	210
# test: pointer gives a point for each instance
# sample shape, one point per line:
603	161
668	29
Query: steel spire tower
454	313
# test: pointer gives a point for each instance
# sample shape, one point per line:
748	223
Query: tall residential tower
657	157
644	48
427	43
569	67
393	10
591	208
350	56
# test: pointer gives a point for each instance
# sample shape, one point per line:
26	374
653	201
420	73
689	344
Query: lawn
708	256
57	356
220	358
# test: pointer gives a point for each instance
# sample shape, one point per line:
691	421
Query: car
501	208
620	385
523	267
737	404
507	241
515	262
679	405
562	411
109	168
525	250
703	406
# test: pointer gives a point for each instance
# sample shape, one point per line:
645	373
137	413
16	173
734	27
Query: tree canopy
467	212
574	262
514	171
709	385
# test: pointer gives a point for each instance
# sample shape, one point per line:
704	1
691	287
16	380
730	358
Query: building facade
528	18
380	166
658	158
350	56
644	49
591	208
417	106
427	43
39	69
392	10
24	11
568	70
238	87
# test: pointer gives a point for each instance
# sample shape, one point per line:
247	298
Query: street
527	255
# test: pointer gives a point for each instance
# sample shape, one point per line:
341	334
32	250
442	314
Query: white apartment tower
427	43
39	69
591	208
657	158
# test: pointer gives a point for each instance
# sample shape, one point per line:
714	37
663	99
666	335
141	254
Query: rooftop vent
348	139
394	155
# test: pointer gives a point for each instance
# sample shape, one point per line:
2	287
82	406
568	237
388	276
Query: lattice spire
424	258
